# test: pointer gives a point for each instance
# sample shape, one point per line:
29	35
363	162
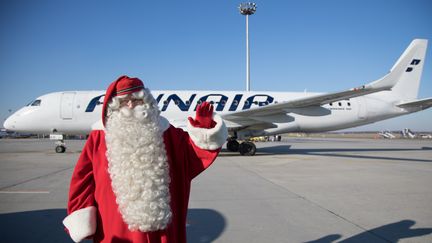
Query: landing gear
232	145
60	144
245	148
60	149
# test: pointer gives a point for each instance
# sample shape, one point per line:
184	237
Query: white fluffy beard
138	167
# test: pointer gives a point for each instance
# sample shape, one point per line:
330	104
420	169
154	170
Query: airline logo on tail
414	62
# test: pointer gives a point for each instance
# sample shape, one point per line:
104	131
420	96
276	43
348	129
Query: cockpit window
36	103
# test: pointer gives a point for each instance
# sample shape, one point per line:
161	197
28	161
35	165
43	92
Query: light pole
247	9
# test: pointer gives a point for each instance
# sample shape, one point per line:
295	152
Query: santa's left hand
203	116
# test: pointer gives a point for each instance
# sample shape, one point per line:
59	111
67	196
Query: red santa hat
122	86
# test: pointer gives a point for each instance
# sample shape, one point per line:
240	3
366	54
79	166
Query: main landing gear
245	148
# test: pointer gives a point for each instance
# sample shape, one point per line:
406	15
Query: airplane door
66	107
362	111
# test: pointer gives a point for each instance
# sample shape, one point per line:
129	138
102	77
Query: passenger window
36	103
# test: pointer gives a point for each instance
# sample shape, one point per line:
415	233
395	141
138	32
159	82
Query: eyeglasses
134	102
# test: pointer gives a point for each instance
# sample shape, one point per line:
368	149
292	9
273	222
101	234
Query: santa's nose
130	104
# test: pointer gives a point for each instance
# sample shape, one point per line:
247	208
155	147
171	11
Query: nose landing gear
60	144
60	147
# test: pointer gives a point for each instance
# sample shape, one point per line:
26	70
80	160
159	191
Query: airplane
407	133
247	114
387	134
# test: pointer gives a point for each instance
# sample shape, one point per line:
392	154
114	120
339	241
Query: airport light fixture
247	9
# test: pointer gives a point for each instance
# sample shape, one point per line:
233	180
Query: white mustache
140	112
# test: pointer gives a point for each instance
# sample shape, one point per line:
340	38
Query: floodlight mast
247	9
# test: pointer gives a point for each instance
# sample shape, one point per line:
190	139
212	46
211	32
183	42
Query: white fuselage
75	112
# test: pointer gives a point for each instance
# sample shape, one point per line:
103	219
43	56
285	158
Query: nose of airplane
9	124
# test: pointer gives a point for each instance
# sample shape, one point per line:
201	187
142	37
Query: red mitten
203	116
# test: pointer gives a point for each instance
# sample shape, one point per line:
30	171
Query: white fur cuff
209	139
81	223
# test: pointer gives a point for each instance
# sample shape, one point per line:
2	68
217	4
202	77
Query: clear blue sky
321	46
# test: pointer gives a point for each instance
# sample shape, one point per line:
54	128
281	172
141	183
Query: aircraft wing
422	104
313	100
277	113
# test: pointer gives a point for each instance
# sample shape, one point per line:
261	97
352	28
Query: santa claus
132	180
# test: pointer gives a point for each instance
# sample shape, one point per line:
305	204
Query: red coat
92	207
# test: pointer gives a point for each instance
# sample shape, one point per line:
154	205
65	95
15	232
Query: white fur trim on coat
81	223
209	139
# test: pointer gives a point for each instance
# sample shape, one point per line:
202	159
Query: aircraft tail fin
406	72
408	69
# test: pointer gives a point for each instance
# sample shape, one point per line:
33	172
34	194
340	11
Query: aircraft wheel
247	148
233	145
60	149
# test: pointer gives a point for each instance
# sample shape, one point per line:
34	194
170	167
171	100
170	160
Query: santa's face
137	161
140	105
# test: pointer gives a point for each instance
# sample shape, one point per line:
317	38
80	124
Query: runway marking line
24	192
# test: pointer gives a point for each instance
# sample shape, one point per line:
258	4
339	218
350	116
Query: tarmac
319	190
